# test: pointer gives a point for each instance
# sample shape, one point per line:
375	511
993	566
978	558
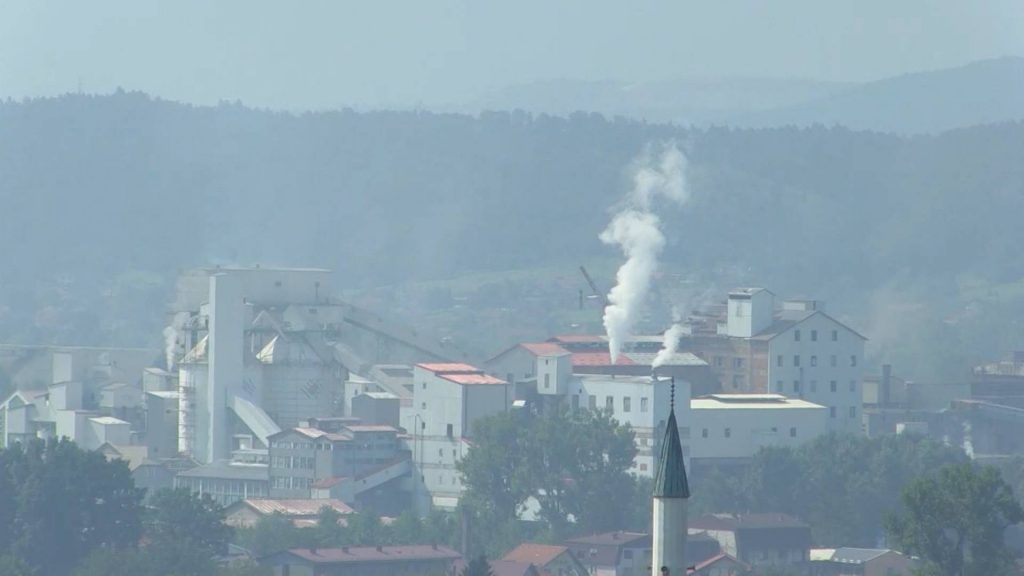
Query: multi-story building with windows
448	398
756	345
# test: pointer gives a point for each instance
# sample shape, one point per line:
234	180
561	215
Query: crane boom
593	286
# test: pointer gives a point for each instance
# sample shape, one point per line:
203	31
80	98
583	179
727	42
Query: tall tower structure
671	500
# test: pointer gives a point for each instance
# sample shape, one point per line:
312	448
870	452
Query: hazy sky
321	53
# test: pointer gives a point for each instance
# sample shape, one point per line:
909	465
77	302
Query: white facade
447	400
736	426
256	348
820	360
749	311
640	402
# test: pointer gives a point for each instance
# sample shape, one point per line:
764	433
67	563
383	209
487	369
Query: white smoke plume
669	345
171	338
636	230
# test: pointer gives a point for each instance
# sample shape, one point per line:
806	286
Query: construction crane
593	288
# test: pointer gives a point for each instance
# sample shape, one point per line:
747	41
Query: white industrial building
735	426
257	358
448	398
58	412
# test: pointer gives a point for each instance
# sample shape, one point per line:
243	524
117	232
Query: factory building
255	356
756	344
448	398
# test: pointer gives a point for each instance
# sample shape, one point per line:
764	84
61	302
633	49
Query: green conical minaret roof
670	481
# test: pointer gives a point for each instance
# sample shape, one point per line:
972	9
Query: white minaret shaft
671	500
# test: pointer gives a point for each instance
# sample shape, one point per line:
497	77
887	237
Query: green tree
182	516
477	567
956	521
575	464
275	533
329	531
64	498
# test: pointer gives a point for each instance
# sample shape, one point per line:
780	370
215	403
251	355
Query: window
737	362
728	432
643	467
814	361
853	385
853	360
853	411
704	433
792	432
450	430
796	335
626	402
835	335
832	361
778	361
796	386
423	405
643	403
423	385
547	380
814	335
575	402
440	452
718	361
832	385
832	411
796	360
592	403
609	403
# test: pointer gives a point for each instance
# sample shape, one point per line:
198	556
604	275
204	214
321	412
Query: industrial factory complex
269	387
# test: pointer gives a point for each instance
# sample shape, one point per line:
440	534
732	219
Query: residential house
860	562
553	560
720	565
759	539
363	561
614	553
246	513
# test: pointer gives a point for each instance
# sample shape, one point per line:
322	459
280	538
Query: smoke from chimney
636	230
171	338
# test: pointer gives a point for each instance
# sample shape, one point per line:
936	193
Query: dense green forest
104	198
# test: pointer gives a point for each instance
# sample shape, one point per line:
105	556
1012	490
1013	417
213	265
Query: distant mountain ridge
982	92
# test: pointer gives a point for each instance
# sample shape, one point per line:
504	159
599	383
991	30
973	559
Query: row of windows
833	386
780	360
609	403
814	335
727	432
300	462
290	483
852	411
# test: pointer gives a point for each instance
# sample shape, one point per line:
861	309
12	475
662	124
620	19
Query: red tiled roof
472	379
611	538
544	348
714	559
511	568
449	368
539	554
352	554
599	359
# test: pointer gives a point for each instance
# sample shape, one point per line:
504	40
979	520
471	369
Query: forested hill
103	198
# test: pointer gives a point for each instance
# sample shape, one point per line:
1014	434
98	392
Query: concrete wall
822	362
750	429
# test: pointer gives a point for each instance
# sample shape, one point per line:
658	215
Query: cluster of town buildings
271	395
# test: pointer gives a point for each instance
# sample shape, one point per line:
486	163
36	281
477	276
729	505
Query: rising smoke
636	230
171	338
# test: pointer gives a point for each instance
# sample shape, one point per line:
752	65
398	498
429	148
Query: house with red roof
552	560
